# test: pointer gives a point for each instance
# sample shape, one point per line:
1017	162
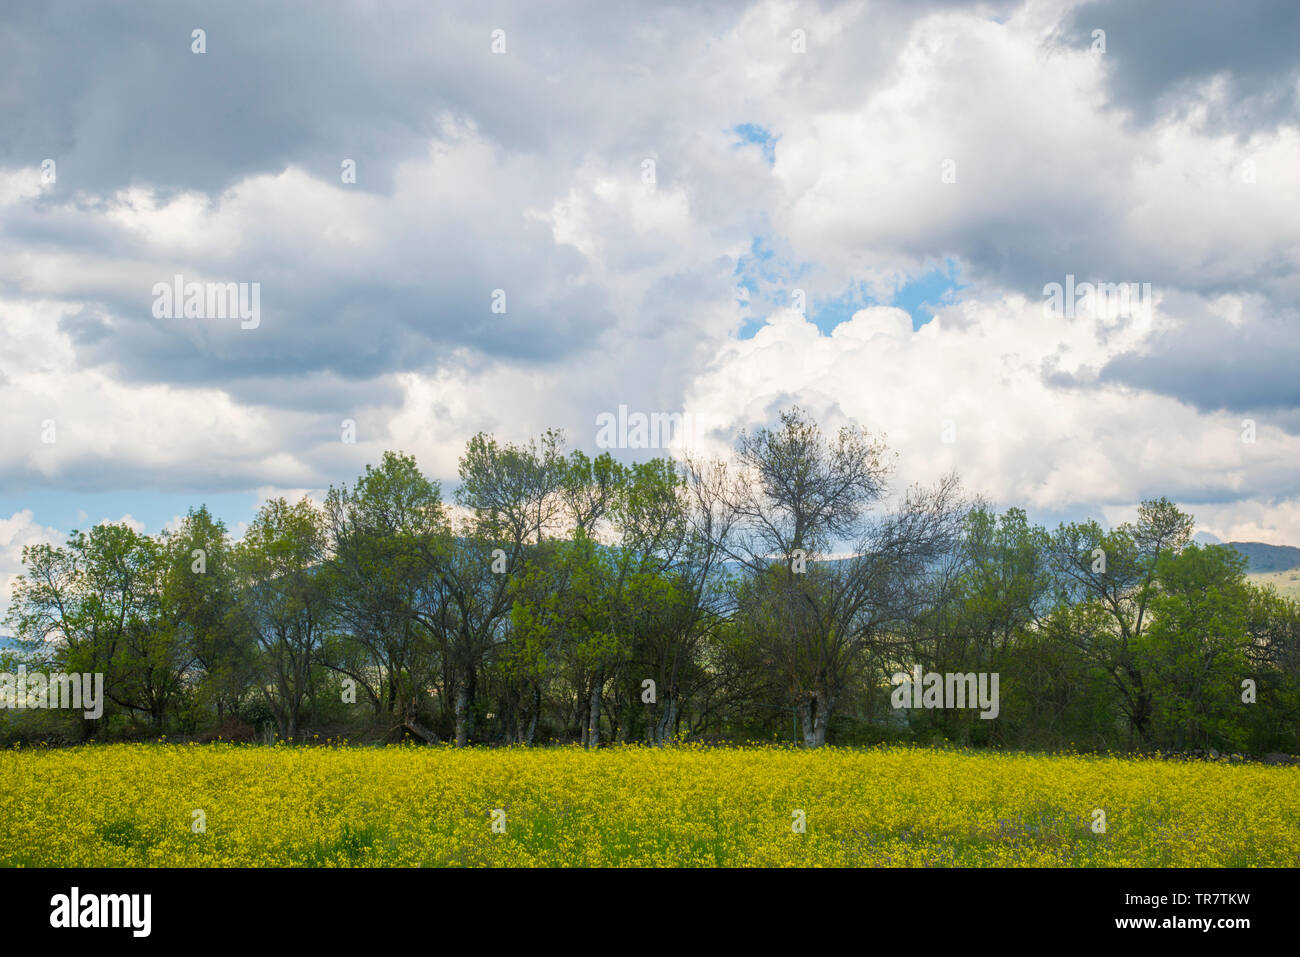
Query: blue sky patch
63	509
760	137
769	281
922	295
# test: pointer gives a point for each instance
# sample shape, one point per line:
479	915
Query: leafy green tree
1116	572
154	655
284	602
1055	695
556	600
1195	652
1273	623
513	495
986	600
199	601
92	606
381	531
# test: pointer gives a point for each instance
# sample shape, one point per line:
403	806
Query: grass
1286	582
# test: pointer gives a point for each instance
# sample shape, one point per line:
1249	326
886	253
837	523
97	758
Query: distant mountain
1268	558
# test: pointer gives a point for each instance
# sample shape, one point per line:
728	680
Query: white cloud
128	520
1017	438
18	530
529	178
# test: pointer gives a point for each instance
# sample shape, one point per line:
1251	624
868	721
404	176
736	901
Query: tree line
776	594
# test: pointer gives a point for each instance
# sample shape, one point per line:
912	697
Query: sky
505	217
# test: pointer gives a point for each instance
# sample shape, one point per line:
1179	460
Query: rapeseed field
253	806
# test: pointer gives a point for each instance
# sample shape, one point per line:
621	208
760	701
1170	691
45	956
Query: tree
795	497
1196	650
1116	572
1273	625
154	654
199	601
92	606
984	602
559	593
380	532
284	602
513	495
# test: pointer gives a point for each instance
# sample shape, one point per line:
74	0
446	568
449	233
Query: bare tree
795	497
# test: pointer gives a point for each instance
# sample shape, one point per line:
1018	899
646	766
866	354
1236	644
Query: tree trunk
421	732
670	718
814	716
537	711
825	704
663	728
805	711
462	716
593	721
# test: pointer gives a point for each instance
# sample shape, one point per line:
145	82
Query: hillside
1287	582
1268	558
1276	565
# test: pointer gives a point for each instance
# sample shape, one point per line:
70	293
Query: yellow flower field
135	805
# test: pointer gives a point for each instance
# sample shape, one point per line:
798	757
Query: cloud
976	375
128	520
908	140
1162	53
16	532
1232	353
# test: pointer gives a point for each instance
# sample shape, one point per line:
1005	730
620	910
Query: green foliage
583	599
